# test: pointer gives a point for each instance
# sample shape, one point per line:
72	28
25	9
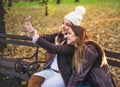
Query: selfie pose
57	69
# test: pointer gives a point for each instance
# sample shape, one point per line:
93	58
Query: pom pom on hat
76	16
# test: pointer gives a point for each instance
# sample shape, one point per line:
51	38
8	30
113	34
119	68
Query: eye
69	25
69	33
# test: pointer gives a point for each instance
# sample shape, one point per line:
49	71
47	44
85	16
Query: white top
54	64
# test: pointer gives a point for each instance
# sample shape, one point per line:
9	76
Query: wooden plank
9	63
15	36
7	59
6	63
18	42
114	63
112	54
14	73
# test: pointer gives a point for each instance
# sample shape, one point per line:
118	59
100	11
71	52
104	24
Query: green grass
22	4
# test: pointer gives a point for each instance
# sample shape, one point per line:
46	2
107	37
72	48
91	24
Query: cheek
64	31
71	40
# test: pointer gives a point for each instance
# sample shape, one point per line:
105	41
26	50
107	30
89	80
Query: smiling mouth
67	39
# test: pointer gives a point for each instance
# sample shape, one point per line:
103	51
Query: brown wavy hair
83	40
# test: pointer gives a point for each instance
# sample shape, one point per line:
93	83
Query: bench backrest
113	57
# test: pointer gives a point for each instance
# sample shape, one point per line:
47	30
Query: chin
64	32
68	42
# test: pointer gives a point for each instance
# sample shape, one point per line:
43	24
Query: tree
2	23
9	3
46	6
58	1
76	0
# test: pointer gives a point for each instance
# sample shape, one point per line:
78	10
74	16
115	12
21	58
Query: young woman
89	63
57	69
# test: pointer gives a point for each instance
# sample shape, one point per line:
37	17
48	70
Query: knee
35	81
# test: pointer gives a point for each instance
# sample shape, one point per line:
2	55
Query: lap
48	73
52	79
55	81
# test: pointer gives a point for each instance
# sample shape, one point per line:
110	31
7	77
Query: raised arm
56	49
50	37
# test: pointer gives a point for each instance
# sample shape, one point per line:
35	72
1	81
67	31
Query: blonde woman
89	63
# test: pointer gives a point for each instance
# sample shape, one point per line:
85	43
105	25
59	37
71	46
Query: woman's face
65	26
71	37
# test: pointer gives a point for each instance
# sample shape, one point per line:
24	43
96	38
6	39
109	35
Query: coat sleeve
90	56
55	49
50	37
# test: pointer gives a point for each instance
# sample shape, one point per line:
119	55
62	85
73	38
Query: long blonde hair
82	41
82	37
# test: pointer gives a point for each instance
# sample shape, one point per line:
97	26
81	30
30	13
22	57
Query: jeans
83	85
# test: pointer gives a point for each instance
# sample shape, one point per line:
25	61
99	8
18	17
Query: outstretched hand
29	28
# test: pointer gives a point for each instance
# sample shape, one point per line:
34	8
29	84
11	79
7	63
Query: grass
28	4
22	4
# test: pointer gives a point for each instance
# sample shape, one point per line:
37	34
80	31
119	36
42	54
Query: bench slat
112	54
14	73
15	36
113	63
9	63
18	42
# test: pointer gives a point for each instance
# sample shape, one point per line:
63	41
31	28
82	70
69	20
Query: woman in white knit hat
57	69
75	17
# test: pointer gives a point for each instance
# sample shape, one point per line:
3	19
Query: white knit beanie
76	16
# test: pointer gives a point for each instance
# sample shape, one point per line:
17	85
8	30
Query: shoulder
90	49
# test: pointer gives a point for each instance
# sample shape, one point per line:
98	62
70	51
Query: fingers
29	28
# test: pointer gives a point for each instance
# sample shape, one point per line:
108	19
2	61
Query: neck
75	44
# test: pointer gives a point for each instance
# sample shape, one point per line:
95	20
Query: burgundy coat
64	52
92	73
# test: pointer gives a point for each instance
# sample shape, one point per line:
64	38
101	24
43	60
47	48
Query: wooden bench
19	67
23	69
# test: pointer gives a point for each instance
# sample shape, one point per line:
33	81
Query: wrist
35	38
32	33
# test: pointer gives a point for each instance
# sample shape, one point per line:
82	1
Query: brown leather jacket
64	52
92	73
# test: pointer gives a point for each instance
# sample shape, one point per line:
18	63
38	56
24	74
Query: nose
66	36
63	25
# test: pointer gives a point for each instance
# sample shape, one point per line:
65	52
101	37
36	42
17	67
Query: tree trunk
76	0
2	24
46	9
57	1
9	3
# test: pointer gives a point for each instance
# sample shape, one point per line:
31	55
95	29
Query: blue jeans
83	85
